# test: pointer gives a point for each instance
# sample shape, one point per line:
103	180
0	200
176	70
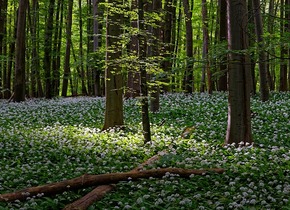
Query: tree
188	77
113	73
264	89
144	88
222	79
239	113
47	50
67	72
19	79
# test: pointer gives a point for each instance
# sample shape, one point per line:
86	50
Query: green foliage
45	141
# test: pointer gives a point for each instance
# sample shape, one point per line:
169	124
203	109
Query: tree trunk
67	72
101	179
188	77
82	71
283	51
144	88
48	51
133	81
3	8
19	80
264	89
57	48
113	75
223	76
239	119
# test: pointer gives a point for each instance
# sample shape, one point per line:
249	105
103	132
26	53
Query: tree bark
144	87
264	88
67	72
19	80
239	113
114	83
223	78
99	192
92	180
48	51
188	77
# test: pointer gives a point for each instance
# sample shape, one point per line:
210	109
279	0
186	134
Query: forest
144	104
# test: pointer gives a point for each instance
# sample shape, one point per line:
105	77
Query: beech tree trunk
188	77
264	88
19	80
93	180
113	75
239	113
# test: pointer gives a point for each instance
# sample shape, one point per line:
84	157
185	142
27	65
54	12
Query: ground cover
43	141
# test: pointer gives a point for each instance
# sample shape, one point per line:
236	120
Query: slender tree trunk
223	76
48	50
206	68
188	77
156	52
144	89
239	119
113	75
19	79
82	71
57	48
67	72
283	51
133	81
3	67
264	89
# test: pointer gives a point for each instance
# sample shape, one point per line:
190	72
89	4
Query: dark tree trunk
19	79
239	119
283	51
133	81
264	89
3	66
144	89
223	68
113	75
67	72
48	50
188	77
82	71
56	48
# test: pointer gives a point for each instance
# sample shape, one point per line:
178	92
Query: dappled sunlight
45	141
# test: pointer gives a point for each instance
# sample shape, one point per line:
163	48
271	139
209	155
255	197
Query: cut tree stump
99	192
101	179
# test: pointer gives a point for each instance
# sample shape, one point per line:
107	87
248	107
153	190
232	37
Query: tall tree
113	74
133	81
19	79
3	14
144	87
67	72
205	46
188	77
283	50
264	88
223	76
48	50
239	119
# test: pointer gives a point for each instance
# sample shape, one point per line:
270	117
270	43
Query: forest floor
44	141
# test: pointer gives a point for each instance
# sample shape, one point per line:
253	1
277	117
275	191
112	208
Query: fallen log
87	180
100	191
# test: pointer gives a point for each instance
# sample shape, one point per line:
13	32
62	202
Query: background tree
239	119
264	88
113	75
19	79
